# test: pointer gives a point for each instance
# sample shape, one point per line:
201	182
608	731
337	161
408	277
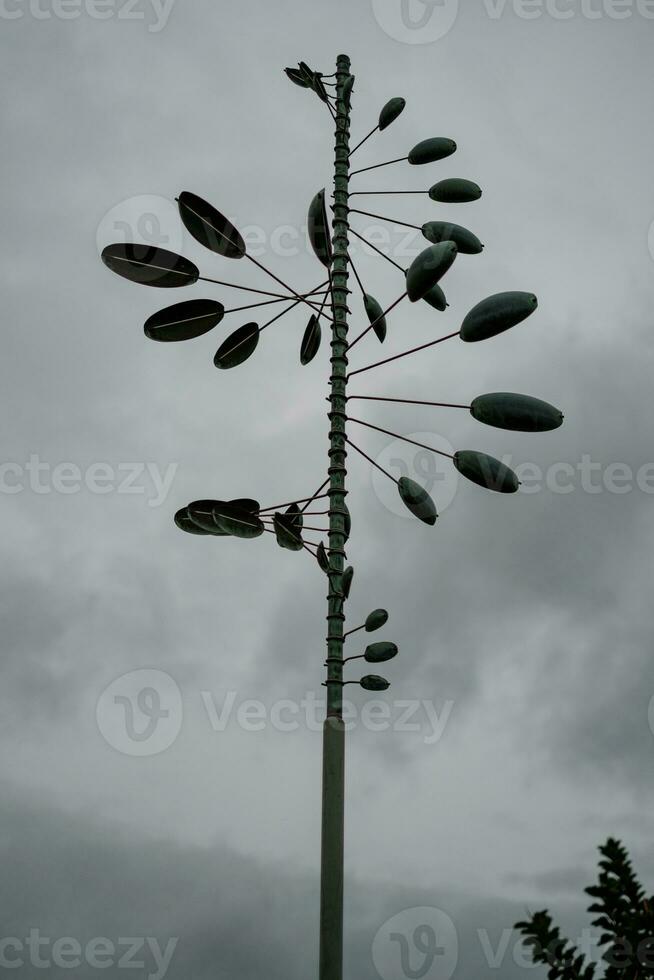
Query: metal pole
333	787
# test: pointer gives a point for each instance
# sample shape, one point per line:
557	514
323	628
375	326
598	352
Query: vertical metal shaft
333	788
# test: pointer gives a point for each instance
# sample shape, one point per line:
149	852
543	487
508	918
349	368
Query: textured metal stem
333	799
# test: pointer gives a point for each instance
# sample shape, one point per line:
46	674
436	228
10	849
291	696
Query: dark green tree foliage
621	911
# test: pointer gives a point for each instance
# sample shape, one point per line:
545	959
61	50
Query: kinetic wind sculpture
291	521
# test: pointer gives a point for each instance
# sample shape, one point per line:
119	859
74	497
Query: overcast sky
517	736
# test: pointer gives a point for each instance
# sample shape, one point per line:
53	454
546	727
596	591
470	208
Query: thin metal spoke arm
378	250
271	302
281	282
371	461
298	500
375	322
317	496
383	217
396	357
365	139
368	193
396	435
376	166
404	401
356	276
247	289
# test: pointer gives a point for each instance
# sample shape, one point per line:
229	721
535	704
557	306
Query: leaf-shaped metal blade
311	340
347	91
428	267
486	471
296	76
237	347
319	229
150	265
247	503
237	521
428	151
375	315
375	620
347	520
184	321
321	555
319	88
294	514
379	653
200	512
306	73
184	523
445	231
436	298
372	682
455	190
209	227
417	500
346	581
497	313
520	413
287	532
391	111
